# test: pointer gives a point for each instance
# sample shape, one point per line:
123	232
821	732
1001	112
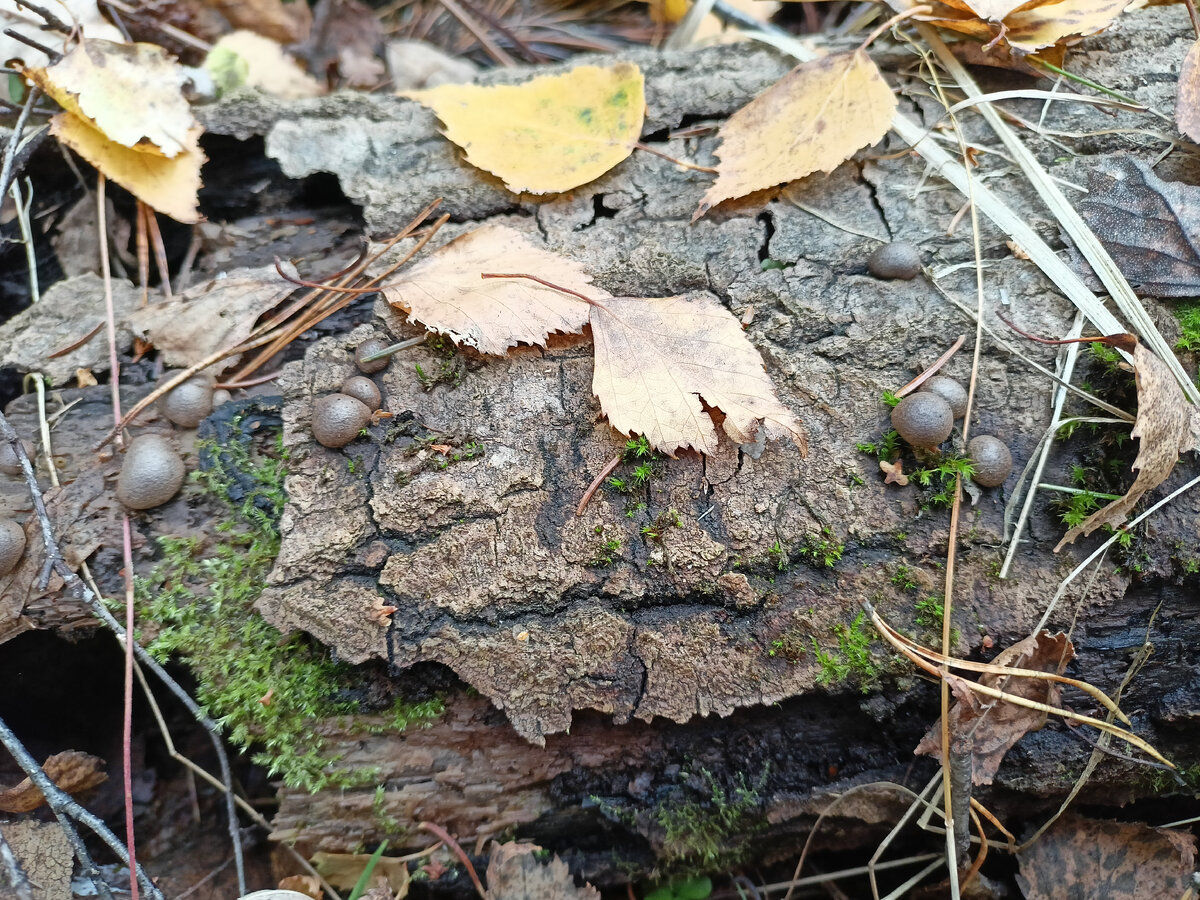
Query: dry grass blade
1070	220
991	669
889	634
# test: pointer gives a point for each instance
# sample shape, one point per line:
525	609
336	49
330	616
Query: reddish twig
1121	341
597	481
75	345
929	372
545	283
441	833
126	536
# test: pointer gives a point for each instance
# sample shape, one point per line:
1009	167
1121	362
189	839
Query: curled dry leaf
212	316
72	770
244	57
514	873
127	116
1025	27
130	92
552	133
445	292
1003	723
810	120
1187	102
1164	429
658	358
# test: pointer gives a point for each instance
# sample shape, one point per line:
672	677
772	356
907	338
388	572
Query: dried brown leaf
445	292
1163	427
1150	226
211	316
72	770
657	359
1003	723
1024	27
514	873
343	870
303	884
1187	101
1089	858
810	120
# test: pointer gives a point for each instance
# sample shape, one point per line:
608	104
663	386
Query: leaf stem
894	20
544	282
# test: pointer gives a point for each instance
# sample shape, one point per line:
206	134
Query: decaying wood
623	689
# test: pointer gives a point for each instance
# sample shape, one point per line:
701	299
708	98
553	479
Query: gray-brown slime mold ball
923	419
991	458
151	474
12	545
362	388
950	391
370	347
337	419
898	259
190	403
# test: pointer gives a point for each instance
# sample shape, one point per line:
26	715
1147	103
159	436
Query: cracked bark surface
496	578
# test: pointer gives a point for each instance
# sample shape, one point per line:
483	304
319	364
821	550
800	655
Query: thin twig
73	584
597	481
53	22
458	851
933	368
22	205
67	810
6	173
127	541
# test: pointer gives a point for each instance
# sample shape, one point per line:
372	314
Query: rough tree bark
641	666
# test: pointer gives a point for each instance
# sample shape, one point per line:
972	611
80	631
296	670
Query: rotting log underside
692	651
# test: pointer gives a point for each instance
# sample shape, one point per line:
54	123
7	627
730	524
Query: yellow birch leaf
656	359
445	292
810	120
552	133
167	185
1187	102
667	12
130	92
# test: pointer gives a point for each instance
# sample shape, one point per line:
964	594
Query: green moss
902	577
264	689
823	550
937	480
1188	314
853	659
790	645
713	829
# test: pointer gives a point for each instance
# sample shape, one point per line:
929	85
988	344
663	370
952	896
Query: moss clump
1188	314
711	827
262	688
853	659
